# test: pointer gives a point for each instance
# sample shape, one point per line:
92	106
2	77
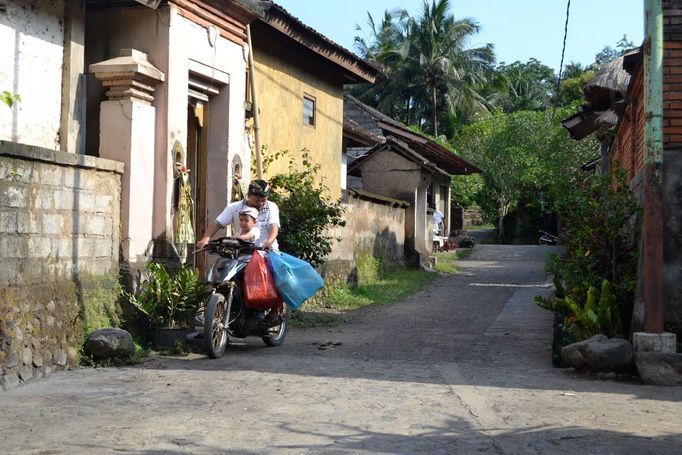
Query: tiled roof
380	124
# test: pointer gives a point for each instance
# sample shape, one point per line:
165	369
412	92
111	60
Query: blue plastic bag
295	279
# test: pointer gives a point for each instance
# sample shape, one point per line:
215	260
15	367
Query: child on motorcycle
248	217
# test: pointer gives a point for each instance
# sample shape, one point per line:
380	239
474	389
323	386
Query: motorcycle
547	239
226	314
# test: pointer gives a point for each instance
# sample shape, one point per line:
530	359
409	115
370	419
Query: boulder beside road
109	343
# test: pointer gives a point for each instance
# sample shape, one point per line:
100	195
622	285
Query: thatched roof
610	84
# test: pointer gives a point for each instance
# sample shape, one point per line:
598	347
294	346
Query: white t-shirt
255	234
268	215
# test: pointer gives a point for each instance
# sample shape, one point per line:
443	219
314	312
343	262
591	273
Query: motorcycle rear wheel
276	334
215	330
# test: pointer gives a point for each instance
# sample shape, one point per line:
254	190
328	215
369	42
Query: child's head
247	217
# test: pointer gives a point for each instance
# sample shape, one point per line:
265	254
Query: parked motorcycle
547	239
226	314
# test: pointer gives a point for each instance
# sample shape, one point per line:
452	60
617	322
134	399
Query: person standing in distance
267	222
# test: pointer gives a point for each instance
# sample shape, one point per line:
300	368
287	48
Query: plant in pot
169	301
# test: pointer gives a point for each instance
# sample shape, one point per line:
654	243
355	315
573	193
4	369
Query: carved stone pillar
127	125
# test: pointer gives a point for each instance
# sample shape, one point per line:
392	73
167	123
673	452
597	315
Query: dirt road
463	367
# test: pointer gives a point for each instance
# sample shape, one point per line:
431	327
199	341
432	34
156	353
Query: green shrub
306	214
596	277
169	300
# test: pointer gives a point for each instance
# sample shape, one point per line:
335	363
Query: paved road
463	367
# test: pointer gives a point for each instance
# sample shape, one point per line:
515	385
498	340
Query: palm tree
450	73
430	74
387	45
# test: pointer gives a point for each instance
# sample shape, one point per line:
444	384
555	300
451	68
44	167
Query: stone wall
375	226
59	246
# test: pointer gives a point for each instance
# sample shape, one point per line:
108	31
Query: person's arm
250	236
273	226
212	228
273	230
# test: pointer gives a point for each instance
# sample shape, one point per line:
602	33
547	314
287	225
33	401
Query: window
308	110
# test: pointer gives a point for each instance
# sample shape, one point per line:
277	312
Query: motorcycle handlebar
230	242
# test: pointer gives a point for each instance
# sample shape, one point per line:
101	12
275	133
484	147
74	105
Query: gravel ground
462	367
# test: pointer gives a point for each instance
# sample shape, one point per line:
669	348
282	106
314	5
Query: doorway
197	158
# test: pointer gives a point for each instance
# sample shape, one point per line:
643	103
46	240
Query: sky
519	29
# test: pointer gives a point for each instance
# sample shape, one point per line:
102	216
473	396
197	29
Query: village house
386	158
300	75
116	97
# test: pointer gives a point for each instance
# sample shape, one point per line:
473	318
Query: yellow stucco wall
281	84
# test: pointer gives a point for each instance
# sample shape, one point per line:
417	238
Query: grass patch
446	262
480	226
378	284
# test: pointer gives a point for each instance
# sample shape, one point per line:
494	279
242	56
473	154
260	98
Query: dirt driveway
462	367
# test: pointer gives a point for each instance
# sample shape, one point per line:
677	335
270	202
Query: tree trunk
502	210
435	113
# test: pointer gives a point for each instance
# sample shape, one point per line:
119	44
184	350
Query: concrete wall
284	74
373	227
32	51
59	240
390	174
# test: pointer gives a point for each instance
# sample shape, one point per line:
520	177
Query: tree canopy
505	117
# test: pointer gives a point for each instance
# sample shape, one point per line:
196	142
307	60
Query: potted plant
169	301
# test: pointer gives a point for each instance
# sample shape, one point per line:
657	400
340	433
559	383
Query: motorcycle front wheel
276	334
215	329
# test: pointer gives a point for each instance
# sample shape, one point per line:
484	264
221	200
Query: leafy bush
599	314
306	214
595	279
169	300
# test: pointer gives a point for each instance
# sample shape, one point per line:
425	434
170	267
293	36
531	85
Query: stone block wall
59	246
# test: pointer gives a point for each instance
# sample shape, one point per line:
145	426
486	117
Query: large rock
599	353
658	368
614	354
573	355
109	343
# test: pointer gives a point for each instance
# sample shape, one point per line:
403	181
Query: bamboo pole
254	106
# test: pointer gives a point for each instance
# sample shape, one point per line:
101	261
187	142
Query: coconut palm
451	73
387	45
430	73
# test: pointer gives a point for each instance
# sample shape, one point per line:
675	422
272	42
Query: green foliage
100	307
600	312
433	78
9	99
596	278
448	262
307	215
609	53
571	89
521	154
169	300
527	86
465	189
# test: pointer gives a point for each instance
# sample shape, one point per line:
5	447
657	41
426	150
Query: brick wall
59	241
628	150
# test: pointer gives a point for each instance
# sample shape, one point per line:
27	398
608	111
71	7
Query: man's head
257	194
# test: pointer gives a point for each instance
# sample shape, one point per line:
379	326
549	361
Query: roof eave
355	69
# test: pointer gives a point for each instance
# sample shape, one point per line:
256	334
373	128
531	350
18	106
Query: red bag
259	285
